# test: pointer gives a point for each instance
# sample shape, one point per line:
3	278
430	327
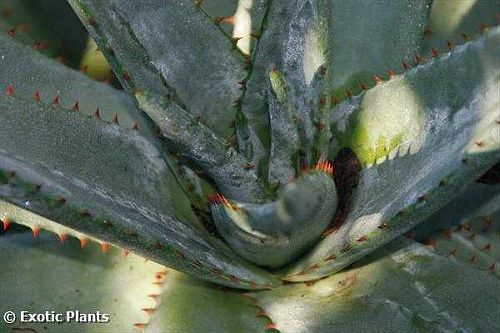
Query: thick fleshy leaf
33	76
467	229
300	36
451	23
173	48
404	287
72	157
49	26
107	182
188	88
371	38
42	274
189	305
430	132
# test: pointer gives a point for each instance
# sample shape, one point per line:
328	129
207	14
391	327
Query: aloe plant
298	166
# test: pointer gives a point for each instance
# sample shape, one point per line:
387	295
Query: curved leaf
169	48
42	274
49	26
443	117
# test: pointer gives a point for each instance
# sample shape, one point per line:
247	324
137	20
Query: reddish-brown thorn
422	198
83	242
36	231
446	233
25	27
443	183
271	326
61	200
6	223
10	90
453	252
331	257
335	100
322	101
135	126
320	126
487	247
76	106
466	37
483	27
450	45
126	253
149	311
115	119
434	53
363	86
419	59
38	46
492	266
225	19
233	278
431	242
56	100
348	93
36	96
391	73
479	143
63	237
362	239
84	69
406	66
105	247
84	213
464	227
488	220
158	245
126	76
324	166
347	248
473	259
92	21
97	114
11	32
377	79
427	31
140	326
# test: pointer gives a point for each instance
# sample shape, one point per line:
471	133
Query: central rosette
274	233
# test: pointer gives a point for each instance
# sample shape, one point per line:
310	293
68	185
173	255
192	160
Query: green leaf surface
169	48
403	287
467	229
27	71
443	117
49	26
42	274
372	37
139	207
456	21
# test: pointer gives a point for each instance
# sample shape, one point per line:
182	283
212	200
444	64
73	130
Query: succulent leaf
49	26
167	55
275	233
47	81
431	294
457	142
143	197
70	278
404	287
